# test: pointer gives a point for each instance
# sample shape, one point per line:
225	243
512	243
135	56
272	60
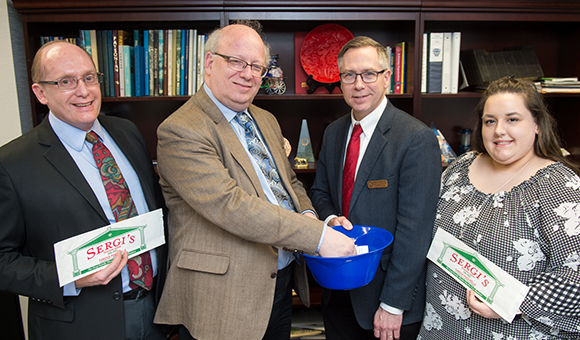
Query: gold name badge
381	183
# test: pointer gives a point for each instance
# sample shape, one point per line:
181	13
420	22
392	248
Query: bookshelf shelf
551	27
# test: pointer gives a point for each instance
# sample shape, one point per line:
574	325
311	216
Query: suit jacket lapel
231	141
375	147
59	157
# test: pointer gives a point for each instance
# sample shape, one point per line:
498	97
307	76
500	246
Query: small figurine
301	163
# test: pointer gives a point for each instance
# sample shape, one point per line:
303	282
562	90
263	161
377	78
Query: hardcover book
435	62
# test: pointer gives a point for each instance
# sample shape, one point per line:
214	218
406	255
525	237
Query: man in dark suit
51	189
381	167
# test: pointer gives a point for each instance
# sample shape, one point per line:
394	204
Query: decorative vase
273	82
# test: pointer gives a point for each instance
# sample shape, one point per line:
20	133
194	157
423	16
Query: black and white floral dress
532	232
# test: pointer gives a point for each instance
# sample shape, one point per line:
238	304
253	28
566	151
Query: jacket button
273	275
116	296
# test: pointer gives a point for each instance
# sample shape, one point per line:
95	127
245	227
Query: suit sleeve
196	165
418	190
20	272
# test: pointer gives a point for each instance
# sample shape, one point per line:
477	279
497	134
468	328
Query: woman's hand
479	307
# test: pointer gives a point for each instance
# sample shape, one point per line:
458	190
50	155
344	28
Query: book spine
122	83
88	46
424	56
455	51
111	68
160	66
446	66
435	62
182	63
94	48
398	66
192	61
152	62
146	62
155	62
185	77
101	55
165	61
403	68
177	62
137	53
170	62
117	86
129	71
44	40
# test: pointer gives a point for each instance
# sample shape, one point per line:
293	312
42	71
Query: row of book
398	61
558	85
440	63
145	62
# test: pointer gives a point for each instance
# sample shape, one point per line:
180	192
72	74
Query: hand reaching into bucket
336	244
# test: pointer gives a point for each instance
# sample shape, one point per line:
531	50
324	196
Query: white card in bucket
362	249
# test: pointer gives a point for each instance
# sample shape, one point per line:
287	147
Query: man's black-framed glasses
367	76
71	83
239	65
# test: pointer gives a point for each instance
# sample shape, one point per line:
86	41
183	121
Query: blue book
146	60
139	61
88	47
182	63
81	41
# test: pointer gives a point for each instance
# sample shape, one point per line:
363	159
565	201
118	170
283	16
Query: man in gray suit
381	167
234	205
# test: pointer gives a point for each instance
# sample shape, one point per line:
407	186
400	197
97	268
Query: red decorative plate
319	51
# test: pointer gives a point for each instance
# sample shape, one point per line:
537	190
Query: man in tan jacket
234	205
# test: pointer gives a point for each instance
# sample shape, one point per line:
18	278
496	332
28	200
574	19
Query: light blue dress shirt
80	150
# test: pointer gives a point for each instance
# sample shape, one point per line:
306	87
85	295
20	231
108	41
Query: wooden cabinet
552	27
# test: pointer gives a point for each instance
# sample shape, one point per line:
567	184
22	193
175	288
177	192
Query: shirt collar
369	123
226	111
70	135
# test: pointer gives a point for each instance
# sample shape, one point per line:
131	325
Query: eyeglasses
240	65
69	83
367	76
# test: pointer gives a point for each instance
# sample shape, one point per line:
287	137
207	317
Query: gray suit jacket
44	198
396	188
223	233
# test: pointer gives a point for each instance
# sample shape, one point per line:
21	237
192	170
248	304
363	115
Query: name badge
381	183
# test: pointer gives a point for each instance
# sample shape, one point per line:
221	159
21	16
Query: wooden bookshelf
552	27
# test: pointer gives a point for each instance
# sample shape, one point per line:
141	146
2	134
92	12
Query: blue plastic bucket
349	272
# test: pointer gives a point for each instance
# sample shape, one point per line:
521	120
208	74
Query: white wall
9	114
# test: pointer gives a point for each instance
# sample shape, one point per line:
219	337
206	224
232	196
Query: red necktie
349	170
140	269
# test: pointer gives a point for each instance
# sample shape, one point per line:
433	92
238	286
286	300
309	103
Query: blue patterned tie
258	151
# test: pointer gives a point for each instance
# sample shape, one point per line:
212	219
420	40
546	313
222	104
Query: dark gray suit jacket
44	199
396	188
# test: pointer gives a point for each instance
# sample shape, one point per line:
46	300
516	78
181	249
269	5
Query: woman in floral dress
516	201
